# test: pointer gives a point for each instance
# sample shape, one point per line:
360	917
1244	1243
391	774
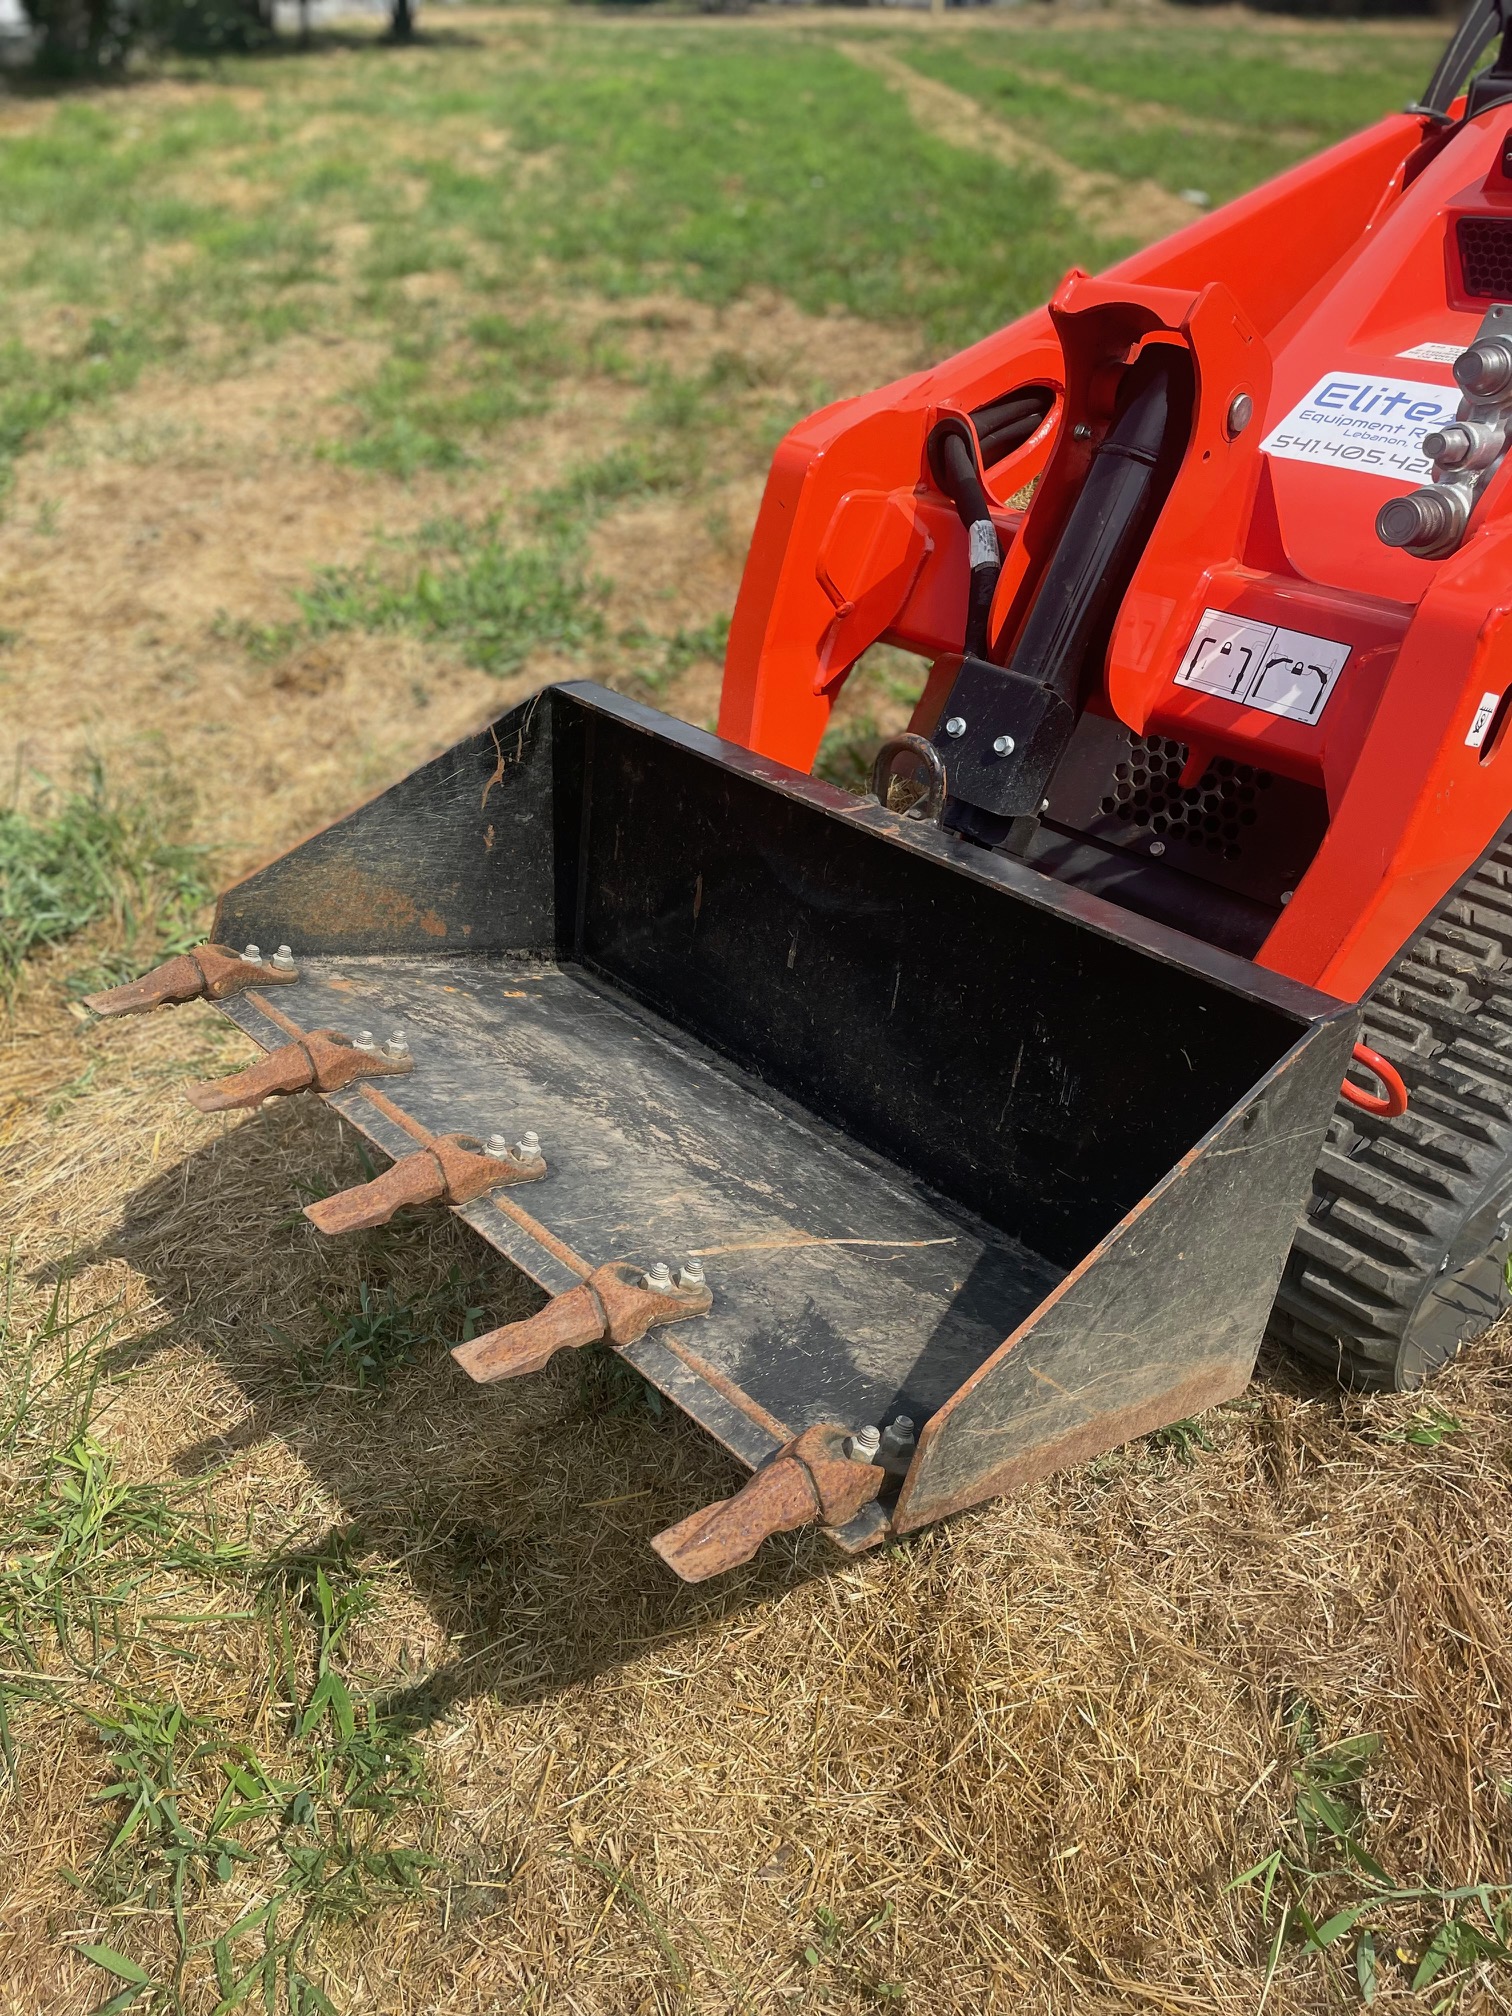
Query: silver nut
363	1040
690	1274
497	1146
1240	413
396	1045
898	1436
862	1446
528	1147
252	955
283	959
659	1280
1157	847
1004	745
1449	445
956	725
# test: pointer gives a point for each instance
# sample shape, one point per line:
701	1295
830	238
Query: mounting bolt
1003	745
1157	846
496	1146
659	1280
363	1040
898	1436
956	725
1081	431
862	1446
1287	895
396	1046
283	959
690	1274
528	1147
1240	413
252	955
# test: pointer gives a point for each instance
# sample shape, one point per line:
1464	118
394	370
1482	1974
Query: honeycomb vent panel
1213	815
1485	250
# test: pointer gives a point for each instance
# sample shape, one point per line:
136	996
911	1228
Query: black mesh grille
1485	249
1214	814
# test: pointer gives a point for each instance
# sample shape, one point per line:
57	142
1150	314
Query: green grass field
346	396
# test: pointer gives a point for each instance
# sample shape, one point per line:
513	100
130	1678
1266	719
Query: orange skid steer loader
916	1144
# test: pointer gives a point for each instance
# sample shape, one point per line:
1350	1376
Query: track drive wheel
1400	1260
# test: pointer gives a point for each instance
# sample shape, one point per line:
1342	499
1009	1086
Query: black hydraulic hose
959	450
1007	424
1087	575
953	464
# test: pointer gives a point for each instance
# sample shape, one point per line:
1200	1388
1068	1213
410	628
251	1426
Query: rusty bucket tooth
617	1302
811	1479
451	1169
208	973
324	1061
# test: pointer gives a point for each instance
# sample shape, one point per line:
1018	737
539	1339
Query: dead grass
1013	1766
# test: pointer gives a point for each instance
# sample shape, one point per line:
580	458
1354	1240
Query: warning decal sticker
1283	672
1373	424
1480	725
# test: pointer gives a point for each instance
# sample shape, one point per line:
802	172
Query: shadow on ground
519	1514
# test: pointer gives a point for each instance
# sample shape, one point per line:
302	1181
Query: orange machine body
1334	301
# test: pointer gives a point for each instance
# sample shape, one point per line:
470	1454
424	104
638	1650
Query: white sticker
1434	353
1485	714
1285	672
1376	425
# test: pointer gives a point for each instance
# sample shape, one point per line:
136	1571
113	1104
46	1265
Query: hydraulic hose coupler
1425	522
1484	371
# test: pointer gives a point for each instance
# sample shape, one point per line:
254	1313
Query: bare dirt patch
1139	210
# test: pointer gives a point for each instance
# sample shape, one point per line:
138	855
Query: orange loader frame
1339	264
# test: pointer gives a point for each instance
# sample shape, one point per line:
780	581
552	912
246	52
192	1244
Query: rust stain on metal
340	901
615	1303
279	1019
323	1061
449	1169
397	1114
502	761
811	1479
208	973
1092	1437
558	1248
711	1375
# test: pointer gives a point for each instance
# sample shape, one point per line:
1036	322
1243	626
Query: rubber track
1389	1196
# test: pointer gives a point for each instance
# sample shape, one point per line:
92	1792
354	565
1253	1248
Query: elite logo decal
1372	424
1285	672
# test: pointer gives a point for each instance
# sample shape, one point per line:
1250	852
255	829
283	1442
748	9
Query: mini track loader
1159	991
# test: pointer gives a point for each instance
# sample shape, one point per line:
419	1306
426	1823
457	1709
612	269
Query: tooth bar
451	1168
810	1479
208	973
324	1061
614	1302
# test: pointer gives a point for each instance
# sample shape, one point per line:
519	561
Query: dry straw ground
439	1705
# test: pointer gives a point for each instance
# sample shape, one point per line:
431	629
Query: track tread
1391	1196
